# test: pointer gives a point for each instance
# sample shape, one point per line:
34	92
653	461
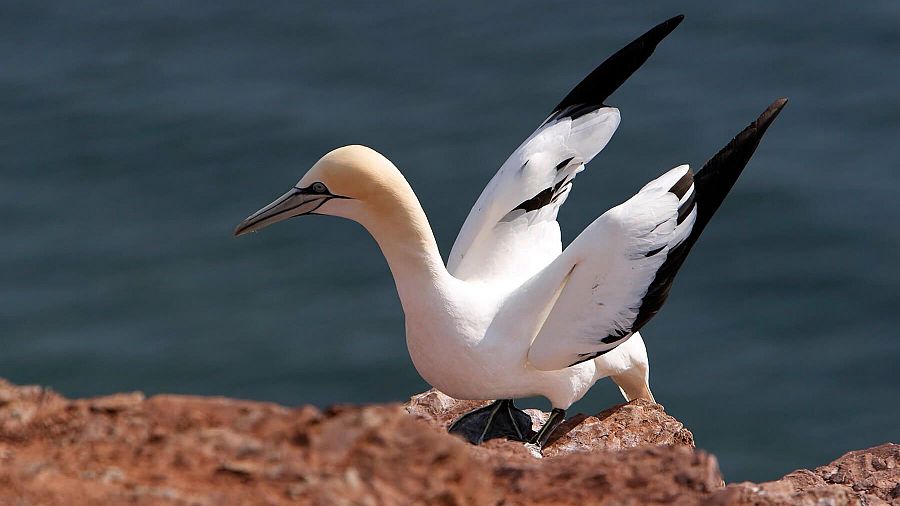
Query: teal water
134	136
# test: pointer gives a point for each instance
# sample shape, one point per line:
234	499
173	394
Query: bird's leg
498	419
557	416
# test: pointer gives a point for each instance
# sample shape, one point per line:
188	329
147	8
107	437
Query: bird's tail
711	184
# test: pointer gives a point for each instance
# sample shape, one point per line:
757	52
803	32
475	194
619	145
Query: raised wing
512	232
625	262
616	260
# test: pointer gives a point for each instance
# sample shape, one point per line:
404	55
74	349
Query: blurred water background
134	136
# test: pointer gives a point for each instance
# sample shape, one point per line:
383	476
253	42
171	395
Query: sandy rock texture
865	477
638	423
182	450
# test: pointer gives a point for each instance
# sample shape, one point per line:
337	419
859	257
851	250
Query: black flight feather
711	184
594	89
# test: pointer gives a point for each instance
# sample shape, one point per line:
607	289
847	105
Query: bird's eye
319	188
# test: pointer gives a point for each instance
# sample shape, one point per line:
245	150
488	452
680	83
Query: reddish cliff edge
167	449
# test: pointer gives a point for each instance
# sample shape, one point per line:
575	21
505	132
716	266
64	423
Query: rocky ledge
184	450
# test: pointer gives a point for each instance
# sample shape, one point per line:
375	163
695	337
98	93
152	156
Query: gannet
513	314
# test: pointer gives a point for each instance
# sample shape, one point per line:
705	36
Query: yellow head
353	182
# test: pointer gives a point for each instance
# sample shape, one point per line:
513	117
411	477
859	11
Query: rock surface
866	477
638	423
128	449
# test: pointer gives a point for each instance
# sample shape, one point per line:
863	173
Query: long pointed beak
293	203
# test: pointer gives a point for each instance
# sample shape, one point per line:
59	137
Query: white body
496	336
472	342
513	315
486	339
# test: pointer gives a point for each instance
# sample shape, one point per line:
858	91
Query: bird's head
351	182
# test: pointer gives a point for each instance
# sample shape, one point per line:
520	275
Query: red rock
126	449
863	477
637	423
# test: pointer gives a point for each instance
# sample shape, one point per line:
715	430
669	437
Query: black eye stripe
315	188
318	188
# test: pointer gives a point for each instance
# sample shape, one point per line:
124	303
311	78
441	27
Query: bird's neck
404	235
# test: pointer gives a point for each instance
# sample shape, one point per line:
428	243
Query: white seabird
513	315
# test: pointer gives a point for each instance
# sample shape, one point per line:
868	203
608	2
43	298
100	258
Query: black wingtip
719	174
711	185
768	116
594	89
666	27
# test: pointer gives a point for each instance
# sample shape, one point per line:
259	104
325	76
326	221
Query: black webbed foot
500	419
557	416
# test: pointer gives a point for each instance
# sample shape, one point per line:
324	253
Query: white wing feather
512	232
615	261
